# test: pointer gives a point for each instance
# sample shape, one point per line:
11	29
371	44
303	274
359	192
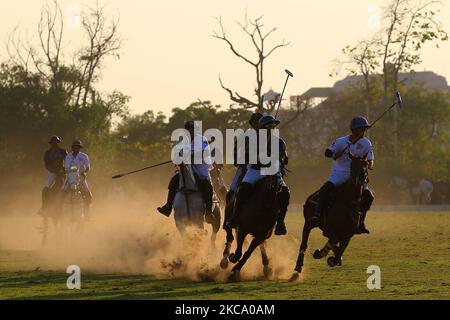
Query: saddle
313	199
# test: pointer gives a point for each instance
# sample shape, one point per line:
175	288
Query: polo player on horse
253	174
81	161
358	145
242	167
201	172
54	163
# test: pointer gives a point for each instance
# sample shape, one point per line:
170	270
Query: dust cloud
126	235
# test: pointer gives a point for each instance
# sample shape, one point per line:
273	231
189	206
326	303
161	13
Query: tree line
44	92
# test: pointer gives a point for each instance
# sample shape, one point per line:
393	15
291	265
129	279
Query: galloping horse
340	222
258	217
188	204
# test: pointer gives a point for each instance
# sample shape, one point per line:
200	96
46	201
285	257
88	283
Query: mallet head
290	74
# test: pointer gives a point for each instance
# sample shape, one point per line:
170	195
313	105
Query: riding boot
241	195
206	189
230	194
323	202
366	202
173	185
283	201
362	227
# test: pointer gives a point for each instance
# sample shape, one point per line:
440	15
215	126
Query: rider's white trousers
50	180
340	177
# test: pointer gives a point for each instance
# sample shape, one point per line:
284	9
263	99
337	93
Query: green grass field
411	248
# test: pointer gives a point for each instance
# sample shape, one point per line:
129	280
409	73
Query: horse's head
358	169
73	178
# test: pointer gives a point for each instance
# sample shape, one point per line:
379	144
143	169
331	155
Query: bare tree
79	75
411	23
103	41
301	106
253	28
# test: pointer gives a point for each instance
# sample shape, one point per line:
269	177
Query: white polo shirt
81	161
360	148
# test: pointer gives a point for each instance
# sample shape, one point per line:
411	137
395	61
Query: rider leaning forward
359	146
253	174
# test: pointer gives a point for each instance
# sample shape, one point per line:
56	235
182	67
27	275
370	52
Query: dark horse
258	217
53	208
340	221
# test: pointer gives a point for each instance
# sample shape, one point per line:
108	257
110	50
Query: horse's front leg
319	254
338	252
301	254
226	251
235	275
265	261
234	257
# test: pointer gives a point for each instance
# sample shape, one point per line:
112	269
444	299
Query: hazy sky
169	59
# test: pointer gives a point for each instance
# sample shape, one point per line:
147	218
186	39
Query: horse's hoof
233	258
235	276
224	262
268	272
317	254
295	276
298	269
332	262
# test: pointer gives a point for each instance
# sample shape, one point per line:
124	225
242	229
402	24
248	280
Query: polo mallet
398	101
149	167
289	74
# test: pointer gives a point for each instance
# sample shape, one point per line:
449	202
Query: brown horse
258	217
340	221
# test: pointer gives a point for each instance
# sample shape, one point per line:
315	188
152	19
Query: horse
257	217
53	209
419	190
188	205
340	221
73	215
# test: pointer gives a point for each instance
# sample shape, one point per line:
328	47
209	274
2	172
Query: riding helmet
189	125
359	122
255	117
54	138
267	120
77	143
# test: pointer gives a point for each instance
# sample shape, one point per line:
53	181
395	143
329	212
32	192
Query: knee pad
243	190
327	188
366	200
284	195
229	195
174	182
